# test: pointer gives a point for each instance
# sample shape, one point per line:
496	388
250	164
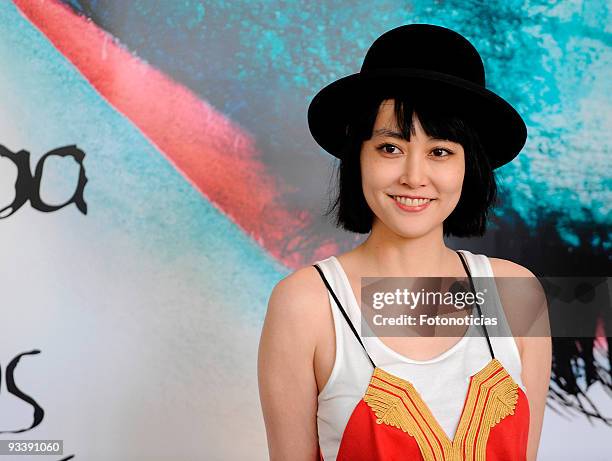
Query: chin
414	231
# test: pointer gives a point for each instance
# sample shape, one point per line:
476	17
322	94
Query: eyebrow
398	135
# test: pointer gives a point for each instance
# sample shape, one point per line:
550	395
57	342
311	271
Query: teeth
411	202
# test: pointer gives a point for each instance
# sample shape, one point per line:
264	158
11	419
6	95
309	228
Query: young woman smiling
418	137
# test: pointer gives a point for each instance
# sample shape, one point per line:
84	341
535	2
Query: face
423	167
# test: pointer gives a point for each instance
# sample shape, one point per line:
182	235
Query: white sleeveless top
442	381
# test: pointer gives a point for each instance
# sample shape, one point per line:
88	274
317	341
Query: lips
411	205
411	196
410	200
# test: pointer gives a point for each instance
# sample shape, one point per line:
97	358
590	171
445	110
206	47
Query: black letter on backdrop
39	413
28	186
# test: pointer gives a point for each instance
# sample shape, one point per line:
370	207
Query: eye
382	148
440	149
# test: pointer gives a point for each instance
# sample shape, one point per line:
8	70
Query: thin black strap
316	266
477	305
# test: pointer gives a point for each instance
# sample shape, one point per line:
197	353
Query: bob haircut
479	189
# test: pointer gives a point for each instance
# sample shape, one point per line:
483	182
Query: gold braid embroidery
390	410
501	403
404	409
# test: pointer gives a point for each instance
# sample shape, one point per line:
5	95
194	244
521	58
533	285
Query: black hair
479	190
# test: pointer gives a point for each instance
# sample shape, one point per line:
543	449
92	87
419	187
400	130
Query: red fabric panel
508	438
365	440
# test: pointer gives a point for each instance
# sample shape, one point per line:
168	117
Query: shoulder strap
316	266
465	266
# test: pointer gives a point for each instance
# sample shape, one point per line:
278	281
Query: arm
536	359
287	386
535	347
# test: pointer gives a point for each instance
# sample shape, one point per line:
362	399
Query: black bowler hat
427	61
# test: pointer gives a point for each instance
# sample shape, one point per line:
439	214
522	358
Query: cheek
368	185
375	178
451	181
372	182
376	174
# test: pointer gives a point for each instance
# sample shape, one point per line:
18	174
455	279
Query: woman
418	136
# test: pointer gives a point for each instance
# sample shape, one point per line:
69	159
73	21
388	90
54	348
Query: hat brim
501	129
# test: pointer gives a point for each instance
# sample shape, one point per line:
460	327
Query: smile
408	204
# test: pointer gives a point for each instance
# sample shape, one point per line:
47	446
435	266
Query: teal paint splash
551	61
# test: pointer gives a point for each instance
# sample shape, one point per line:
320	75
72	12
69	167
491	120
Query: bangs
436	121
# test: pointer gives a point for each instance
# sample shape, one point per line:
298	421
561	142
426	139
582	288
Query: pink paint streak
214	154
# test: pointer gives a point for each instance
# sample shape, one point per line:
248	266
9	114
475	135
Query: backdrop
157	179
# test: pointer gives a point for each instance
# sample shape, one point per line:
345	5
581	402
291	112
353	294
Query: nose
415	172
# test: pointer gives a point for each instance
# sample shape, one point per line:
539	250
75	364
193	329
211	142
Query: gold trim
397	403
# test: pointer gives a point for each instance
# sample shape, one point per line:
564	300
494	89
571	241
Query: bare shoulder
299	290
298	300
507	268
530	294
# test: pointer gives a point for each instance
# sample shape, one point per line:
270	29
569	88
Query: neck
389	254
